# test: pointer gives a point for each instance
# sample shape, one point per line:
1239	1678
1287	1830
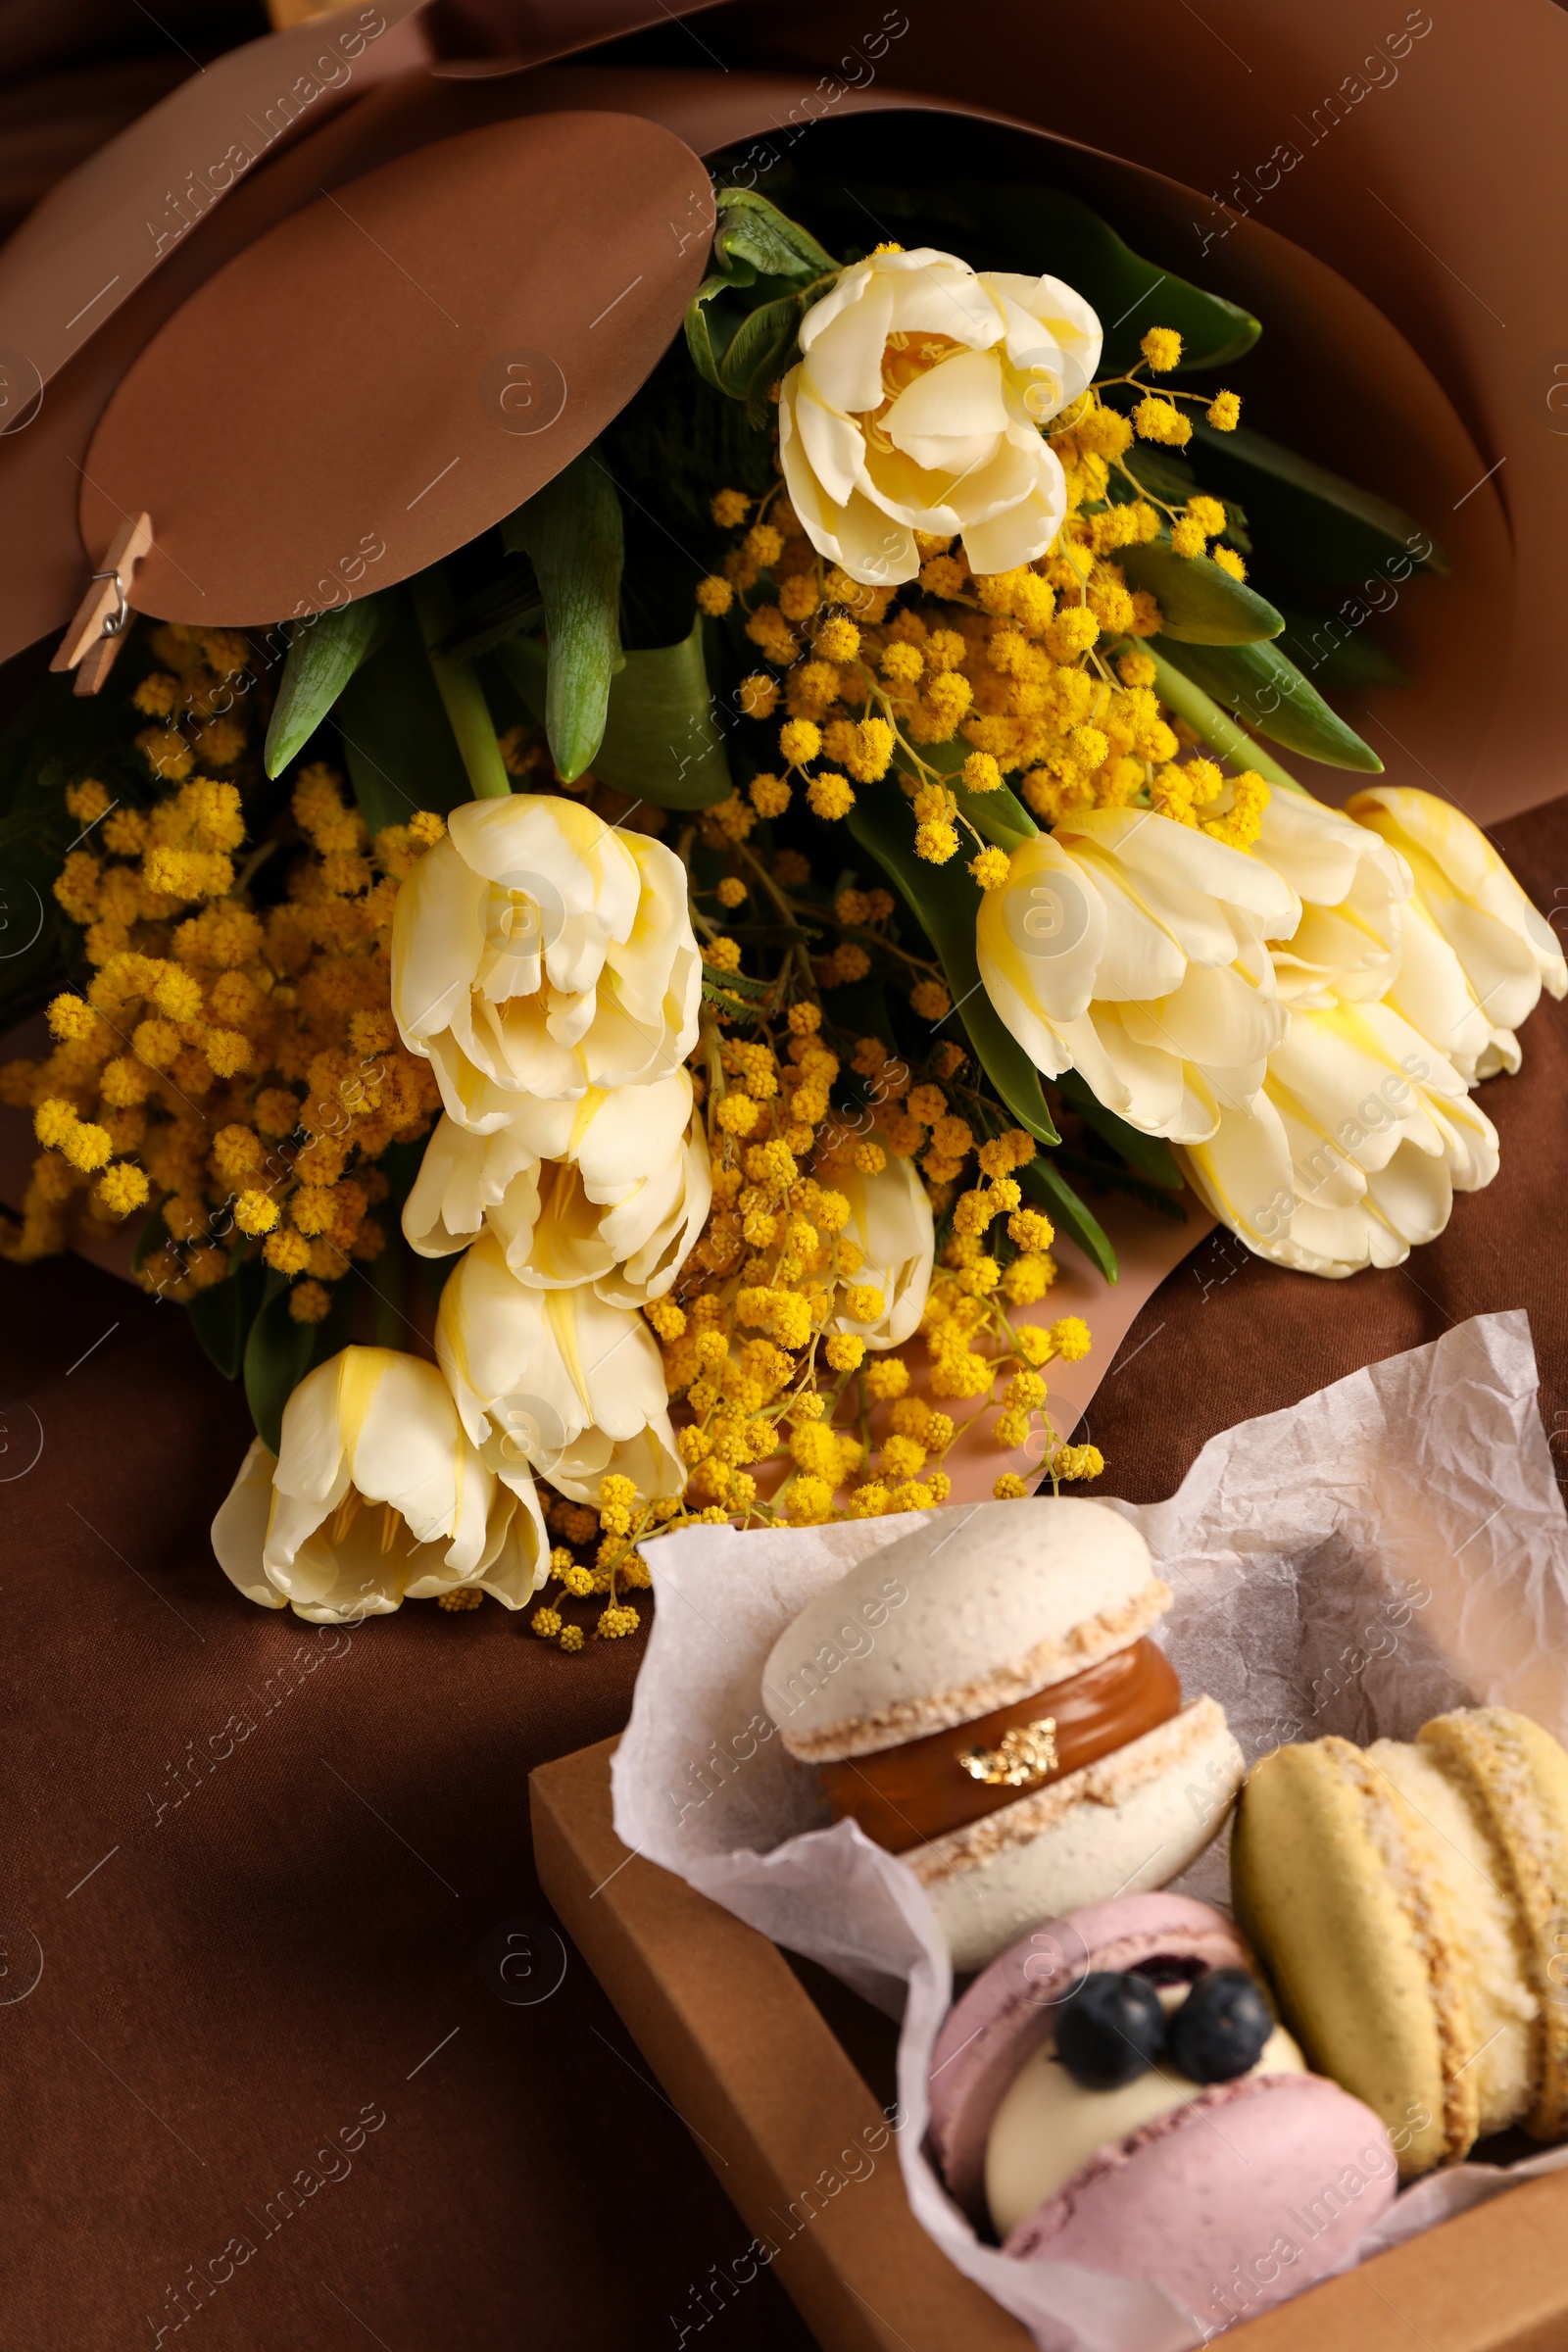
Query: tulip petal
831	444
437	941
890	1220
240	1531
843	346
936	294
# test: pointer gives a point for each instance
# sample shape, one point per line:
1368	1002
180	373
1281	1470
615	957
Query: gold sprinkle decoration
1027	1753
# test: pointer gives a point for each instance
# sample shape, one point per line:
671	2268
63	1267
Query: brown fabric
290	1939
286	1943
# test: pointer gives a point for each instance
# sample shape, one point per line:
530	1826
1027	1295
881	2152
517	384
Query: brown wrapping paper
1412	150
391	371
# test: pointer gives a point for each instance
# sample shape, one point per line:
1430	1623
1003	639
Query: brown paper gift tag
391	371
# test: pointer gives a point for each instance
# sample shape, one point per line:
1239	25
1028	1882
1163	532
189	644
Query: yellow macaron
1410	1902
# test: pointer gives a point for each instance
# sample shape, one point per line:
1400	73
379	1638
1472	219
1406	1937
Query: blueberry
1220	2031
1110	2031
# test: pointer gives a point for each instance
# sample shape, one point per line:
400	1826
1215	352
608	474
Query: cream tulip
612	1190
537	952
1354	890
916	405
1351	1153
559	1378
1132	949
1477	952
378	1496
891	1224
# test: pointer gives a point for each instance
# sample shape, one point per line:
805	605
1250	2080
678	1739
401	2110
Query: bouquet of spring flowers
608	1031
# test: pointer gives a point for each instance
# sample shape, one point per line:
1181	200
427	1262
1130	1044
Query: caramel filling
901	1797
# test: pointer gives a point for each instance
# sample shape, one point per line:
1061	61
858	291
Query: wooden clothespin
96	634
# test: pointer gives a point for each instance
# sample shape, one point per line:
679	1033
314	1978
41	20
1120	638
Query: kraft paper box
1415	1499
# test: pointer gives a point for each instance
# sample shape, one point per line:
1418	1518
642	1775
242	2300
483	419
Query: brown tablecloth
259	1864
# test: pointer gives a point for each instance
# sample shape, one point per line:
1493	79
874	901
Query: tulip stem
462	695
1216	727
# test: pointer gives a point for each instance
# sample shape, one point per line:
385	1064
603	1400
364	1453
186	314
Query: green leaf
280	1351
1199	600
945	900
1050	1191
398	745
742	321
753	232
322	656
660	743
508	606
1218	728
997	817
1264	687
1337	647
223	1316
1149	1155
701	324
458	684
1047	229
761	350
1112	1176
277	1356
1320	525
572	529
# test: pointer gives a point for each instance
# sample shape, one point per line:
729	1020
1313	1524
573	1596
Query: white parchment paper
1390	1547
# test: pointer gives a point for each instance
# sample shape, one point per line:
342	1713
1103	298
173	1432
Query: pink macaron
1113	2092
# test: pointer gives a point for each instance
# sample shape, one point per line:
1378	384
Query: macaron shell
1141	1817
966	1613
1315	1899
1518	1775
1011	2008
1231	2203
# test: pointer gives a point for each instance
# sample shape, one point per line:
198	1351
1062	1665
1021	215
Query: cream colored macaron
1409	1902
983	1698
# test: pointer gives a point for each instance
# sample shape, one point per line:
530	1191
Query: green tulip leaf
1017	225
999	817
458	683
222	1315
1337	648
1215	726
754	236
761	348
277	1356
1129	294
661	744
278	1353
757	233
945	900
1149	1155
1199	601
1264	688
509	606
322	656
1322	526
397	744
741	323
571	530
1049	1189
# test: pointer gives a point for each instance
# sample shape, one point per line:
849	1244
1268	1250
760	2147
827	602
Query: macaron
1409	1901
983	1696
1115	2091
